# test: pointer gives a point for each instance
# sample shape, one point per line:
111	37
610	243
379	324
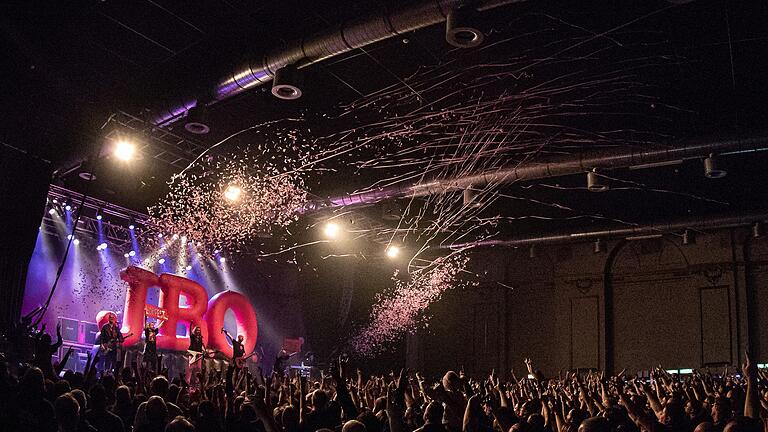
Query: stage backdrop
90	282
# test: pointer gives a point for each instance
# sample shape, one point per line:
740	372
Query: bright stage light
68	207
331	230
76	242
132	253
393	251
222	260
189	267
161	261
160	236
131	226
124	150
98	217
52	212
103	246
232	193
69	236
126	255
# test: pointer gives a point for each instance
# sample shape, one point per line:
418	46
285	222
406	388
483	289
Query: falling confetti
402	311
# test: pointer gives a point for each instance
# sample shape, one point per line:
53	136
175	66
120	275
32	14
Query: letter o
245	317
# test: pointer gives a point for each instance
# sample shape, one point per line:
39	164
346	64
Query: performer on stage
149	357
109	339
196	350
238	349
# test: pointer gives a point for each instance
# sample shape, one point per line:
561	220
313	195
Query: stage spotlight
161	261
132	225
222	260
68	207
132	253
102	246
331	230
160	235
393	252
55	201
287	83
189	267
52	212
76	242
124	150
69	236
232	193
711	170
99	214
126	255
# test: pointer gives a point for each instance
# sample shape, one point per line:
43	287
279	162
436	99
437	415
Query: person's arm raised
752	400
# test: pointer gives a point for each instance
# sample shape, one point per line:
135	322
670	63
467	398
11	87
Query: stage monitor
88	332
70	329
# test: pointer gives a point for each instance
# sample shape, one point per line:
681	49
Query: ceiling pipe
573	164
261	69
634	232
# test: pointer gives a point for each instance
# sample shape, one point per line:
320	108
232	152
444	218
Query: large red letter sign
208	315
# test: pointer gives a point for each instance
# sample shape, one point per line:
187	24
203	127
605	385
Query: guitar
196	356
240	361
112	345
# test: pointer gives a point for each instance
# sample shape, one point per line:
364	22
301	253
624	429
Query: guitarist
238	348
109	339
197	347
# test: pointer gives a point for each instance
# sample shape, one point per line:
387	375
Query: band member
238	348
150	343
196	350
109	339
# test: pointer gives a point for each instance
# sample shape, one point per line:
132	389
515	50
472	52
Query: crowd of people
39	397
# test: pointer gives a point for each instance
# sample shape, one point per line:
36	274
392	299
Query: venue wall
638	304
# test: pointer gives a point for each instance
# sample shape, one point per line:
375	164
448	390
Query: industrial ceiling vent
287	83
711	169
196	121
460	28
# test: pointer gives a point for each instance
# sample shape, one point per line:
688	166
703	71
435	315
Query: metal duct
700	223
258	70
575	164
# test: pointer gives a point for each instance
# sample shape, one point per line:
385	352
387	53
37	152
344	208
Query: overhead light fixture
689	237
52	211
594	183
598	247
126	255
222	260
161	261
331	230
232	193
76	242
460	28
67	204
124	150
711	170
393	251
132	253
99	214
287	83
131	225
189	267
196	121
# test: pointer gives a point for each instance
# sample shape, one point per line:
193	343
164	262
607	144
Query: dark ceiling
68	66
